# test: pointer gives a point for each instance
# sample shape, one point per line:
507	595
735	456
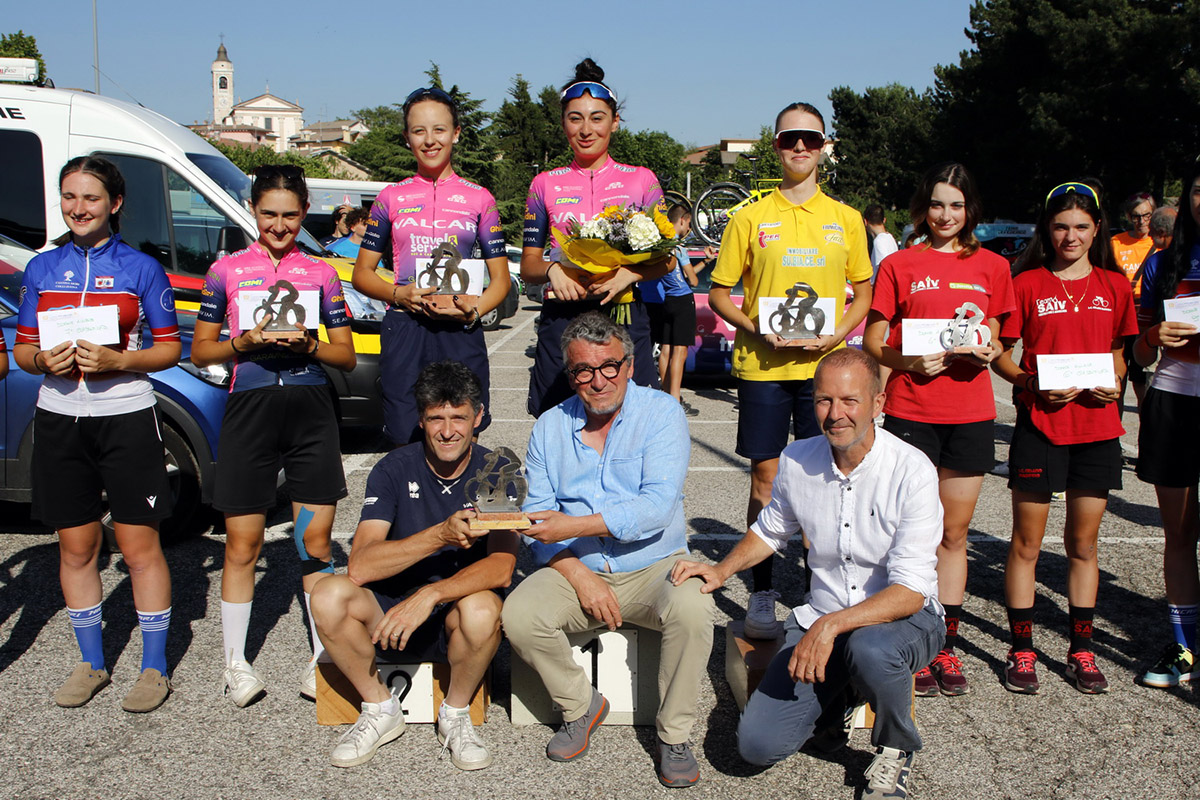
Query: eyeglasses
584	373
596	90
430	92
1140	217
1071	187
813	139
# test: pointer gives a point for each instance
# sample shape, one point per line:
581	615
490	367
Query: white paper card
95	324
414	684
920	337
248	303
475	269
1183	309
1079	370
768	306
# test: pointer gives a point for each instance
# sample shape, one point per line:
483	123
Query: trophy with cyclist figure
450	276
496	492
283	305
802	314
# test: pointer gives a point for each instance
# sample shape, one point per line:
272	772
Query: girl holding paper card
96	428
1171	409
1072	299
280	409
939	397
414	218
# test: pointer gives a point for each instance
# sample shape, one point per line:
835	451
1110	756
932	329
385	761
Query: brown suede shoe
148	693
82	686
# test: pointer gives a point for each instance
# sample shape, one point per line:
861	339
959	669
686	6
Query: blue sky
700	70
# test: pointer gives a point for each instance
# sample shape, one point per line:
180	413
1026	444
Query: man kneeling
867	506
420	580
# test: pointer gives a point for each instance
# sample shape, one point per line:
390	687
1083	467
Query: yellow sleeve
732	258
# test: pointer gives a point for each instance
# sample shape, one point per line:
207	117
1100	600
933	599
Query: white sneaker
308	683
374	728
457	734
242	683
760	617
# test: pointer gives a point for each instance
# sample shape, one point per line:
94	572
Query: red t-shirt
919	283
1048	323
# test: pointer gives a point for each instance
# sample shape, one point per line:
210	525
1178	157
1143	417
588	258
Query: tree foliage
1059	89
882	144
248	160
22	45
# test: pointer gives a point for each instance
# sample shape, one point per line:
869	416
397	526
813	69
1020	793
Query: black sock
952	615
1020	623
760	573
1081	628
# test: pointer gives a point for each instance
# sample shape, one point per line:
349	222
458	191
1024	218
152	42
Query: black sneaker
888	775
688	409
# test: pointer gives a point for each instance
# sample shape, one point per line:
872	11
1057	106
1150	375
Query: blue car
191	403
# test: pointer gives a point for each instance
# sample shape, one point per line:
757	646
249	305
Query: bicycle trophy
798	317
966	331
282	303
445	277
497	494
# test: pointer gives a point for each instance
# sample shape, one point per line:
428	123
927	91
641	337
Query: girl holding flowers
595	193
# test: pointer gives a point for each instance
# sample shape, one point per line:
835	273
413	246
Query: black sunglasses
812	139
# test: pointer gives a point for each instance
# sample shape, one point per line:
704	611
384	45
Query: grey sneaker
760	616
148	693
688	409
242	683
457	733
82	685
888	775
373	730
573	737
677	766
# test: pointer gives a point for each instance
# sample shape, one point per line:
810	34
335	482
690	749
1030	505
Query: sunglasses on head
812	139
429	92
1073	187
596	90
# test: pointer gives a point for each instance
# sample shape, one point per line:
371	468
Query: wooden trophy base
501	521
445	302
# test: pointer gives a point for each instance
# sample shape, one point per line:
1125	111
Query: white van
326	194
184	200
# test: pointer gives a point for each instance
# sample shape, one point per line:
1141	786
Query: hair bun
588	70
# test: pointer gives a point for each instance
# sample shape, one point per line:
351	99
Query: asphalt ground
1134	742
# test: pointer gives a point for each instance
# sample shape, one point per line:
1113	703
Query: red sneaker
1081	668
1021	674
947	669
924	684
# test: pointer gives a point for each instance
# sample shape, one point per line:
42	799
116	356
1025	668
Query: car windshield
13	258
237	185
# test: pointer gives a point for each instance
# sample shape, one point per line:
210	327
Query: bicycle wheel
673	198
712	210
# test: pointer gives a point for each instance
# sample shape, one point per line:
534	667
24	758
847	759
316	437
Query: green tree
655	150
882	143
529	139
248	160
1059	89
22	45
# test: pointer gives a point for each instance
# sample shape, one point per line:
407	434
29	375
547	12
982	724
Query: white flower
643	233
595	229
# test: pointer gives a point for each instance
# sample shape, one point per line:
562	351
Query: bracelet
1029	381
395	302
233	346
316	344
36	366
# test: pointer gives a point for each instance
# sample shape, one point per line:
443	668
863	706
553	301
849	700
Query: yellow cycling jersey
771	245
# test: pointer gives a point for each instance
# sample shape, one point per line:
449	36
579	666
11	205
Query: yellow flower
664	225
610	212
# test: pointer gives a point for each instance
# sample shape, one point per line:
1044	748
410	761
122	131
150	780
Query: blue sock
154	639
86	624
1183	625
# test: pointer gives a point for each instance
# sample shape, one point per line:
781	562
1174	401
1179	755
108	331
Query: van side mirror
230	239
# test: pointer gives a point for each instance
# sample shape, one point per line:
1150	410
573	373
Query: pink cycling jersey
573	193
251	270
418	214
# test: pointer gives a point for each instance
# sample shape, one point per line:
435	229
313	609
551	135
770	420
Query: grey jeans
878	660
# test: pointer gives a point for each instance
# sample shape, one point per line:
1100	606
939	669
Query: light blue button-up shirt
636	484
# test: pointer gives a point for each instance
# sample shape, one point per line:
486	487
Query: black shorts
407	344
673	321
292	426
429	642
75	459
766	410
1036	464
1168	422
1134	372
963	446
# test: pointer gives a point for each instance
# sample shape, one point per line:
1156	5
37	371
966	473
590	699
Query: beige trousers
544	608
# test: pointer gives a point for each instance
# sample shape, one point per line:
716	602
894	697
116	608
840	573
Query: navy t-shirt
403	491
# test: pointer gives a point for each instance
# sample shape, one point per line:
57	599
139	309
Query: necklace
1082	295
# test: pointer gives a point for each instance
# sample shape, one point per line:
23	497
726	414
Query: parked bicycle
723	199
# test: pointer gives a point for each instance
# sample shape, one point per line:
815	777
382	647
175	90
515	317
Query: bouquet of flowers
618	236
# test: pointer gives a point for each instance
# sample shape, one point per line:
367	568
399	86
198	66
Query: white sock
318	648
390	706
235	626
451	711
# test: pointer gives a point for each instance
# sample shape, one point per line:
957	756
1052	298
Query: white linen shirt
880	525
